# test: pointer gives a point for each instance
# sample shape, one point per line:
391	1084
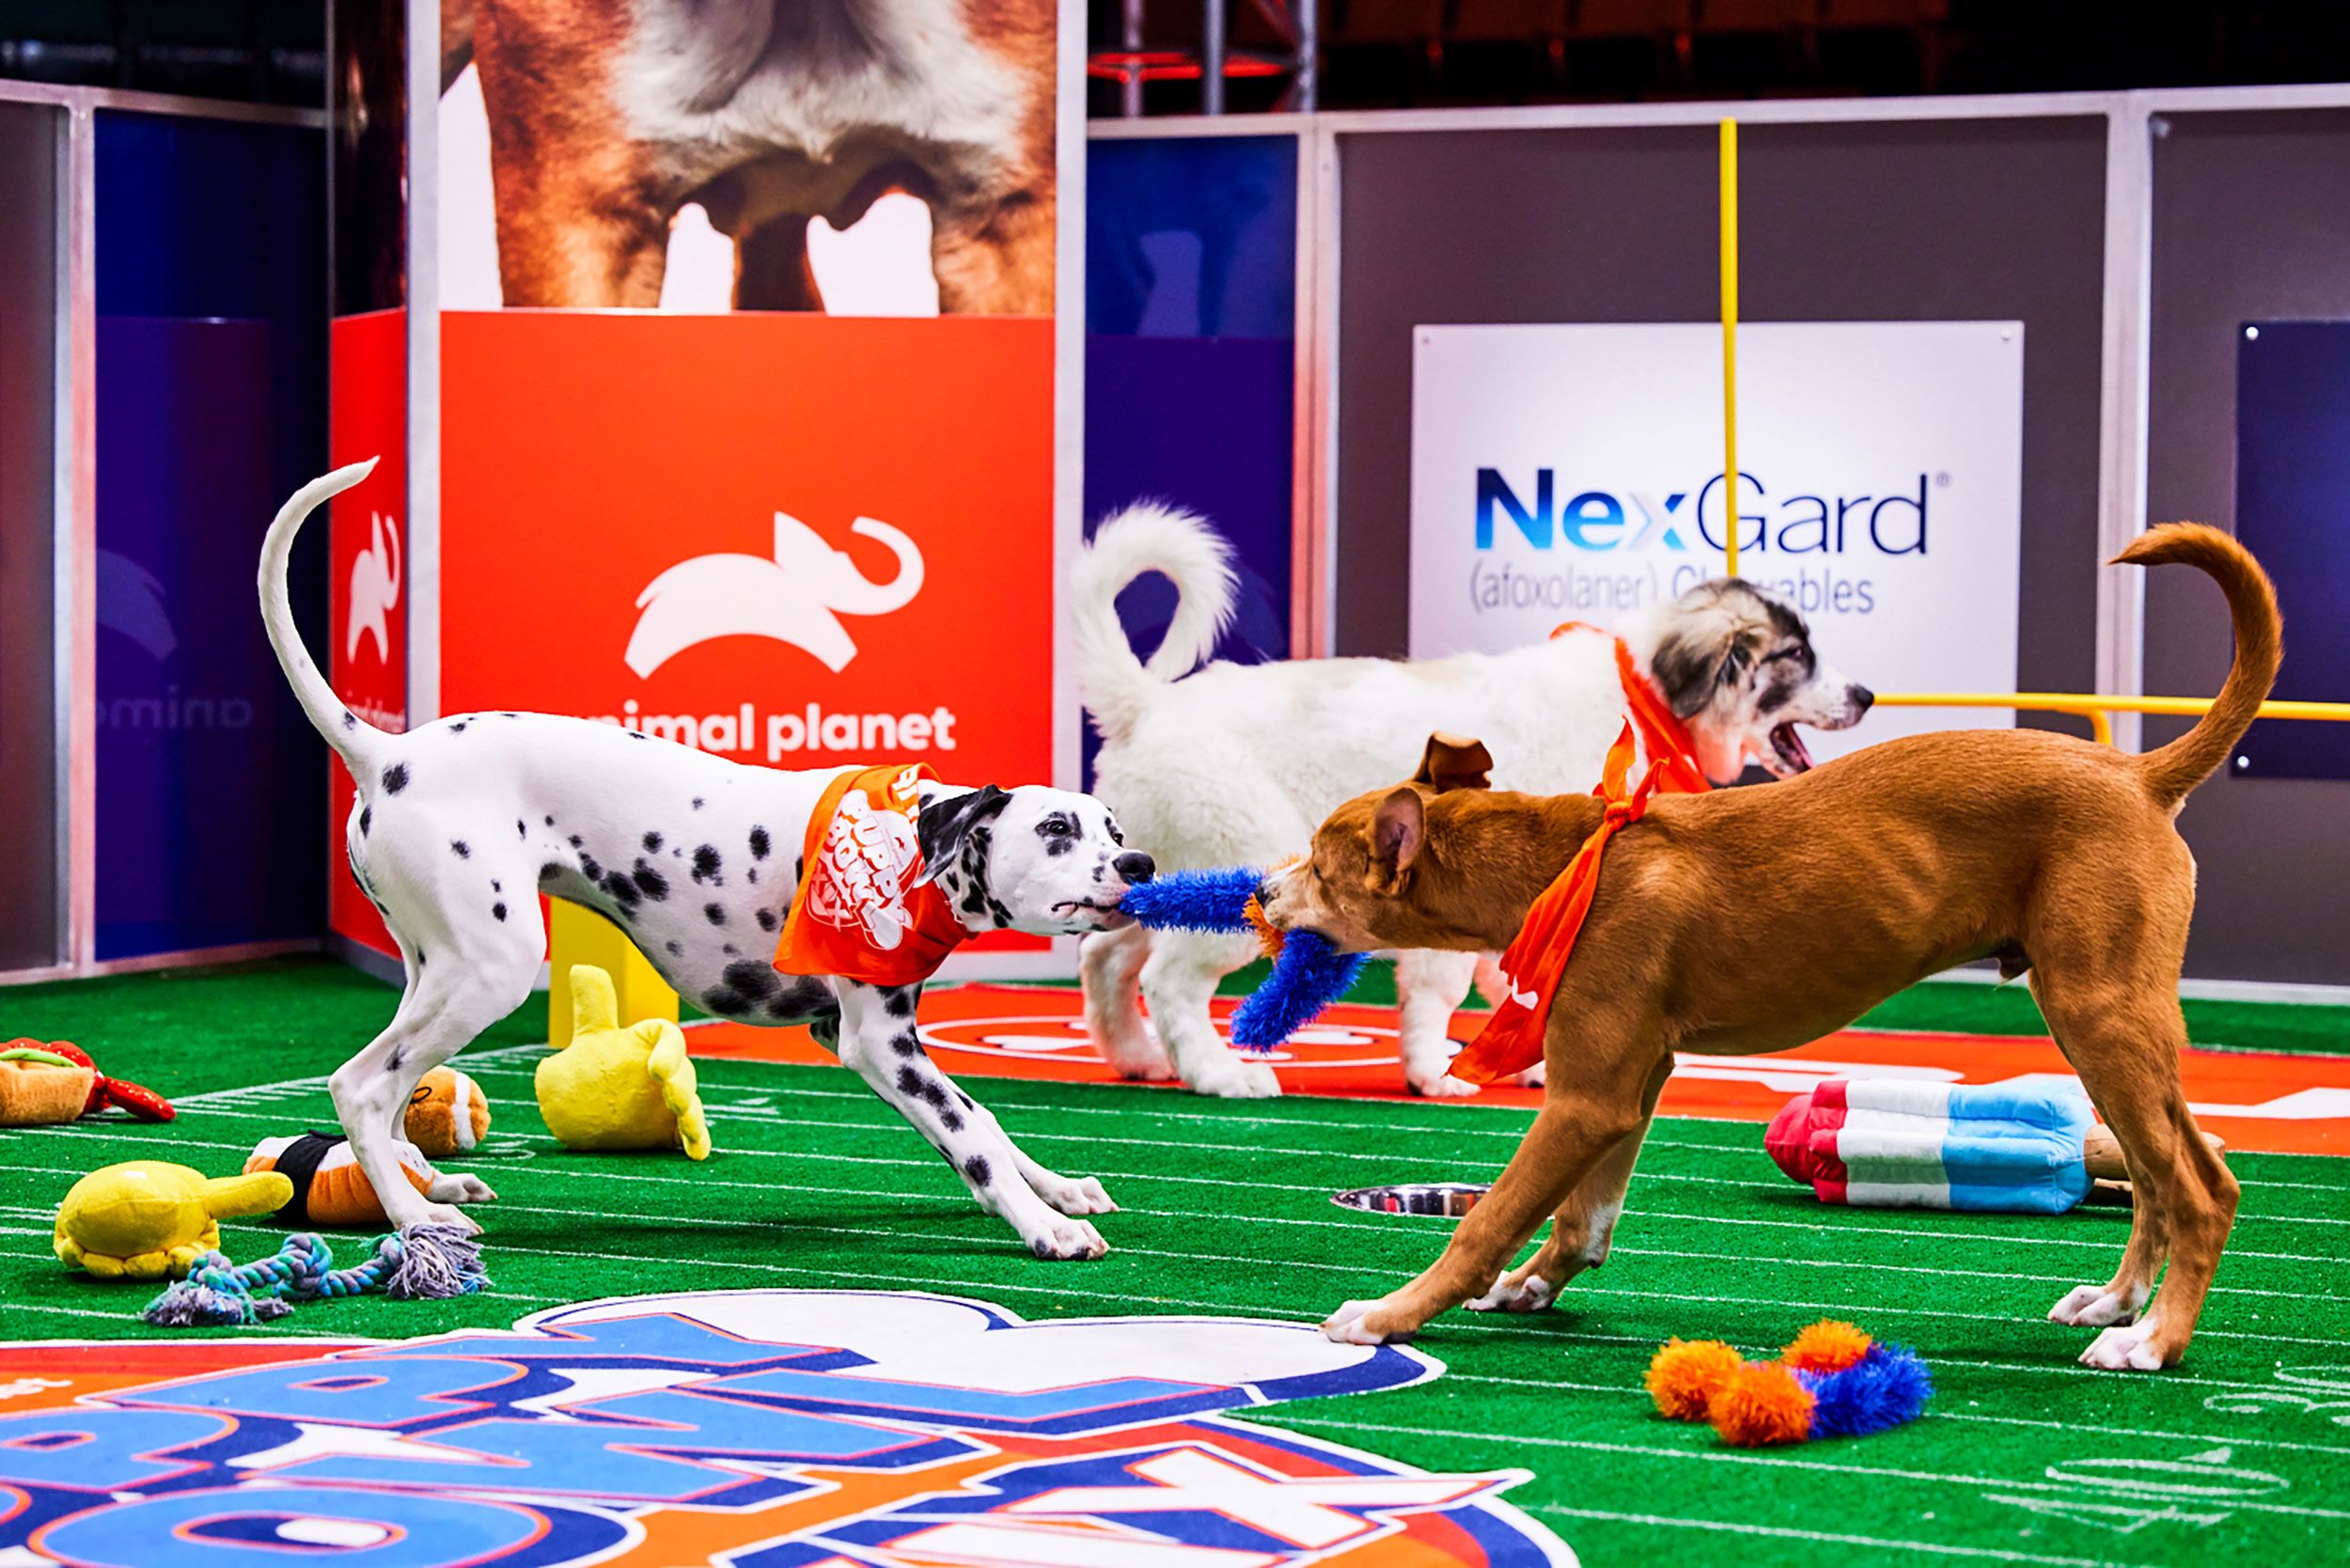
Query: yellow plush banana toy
613	1088
150	1220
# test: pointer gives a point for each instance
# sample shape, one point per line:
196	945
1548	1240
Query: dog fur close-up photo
1232	765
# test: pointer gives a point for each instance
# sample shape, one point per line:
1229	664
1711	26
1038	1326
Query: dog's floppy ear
944	826
1455	763
1736	660
1399	830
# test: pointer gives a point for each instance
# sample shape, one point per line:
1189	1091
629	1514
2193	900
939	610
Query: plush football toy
42	1084
1900	1143
1307	973
446	1114
1833	1381
328	1186
148	1220
613	1088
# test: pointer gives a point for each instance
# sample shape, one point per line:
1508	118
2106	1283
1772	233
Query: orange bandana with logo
864	911
1511	1039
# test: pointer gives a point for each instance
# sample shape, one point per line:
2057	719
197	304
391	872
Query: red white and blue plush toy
1832	1381
1307	973
1900	1144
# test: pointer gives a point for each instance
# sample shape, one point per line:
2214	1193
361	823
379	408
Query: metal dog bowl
1442	1199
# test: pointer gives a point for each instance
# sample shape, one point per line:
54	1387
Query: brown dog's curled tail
2173	770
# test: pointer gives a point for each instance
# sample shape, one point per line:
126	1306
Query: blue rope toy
426	1262
1307	973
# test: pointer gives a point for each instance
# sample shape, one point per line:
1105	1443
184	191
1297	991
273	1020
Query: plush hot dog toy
54	1081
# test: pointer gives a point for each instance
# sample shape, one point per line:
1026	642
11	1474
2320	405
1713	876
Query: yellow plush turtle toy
615	1088
147	1219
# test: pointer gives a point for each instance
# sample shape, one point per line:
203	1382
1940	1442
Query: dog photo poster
1575	473
861	159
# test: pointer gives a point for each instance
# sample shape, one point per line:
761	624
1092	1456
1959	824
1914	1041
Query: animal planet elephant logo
131	601
374	591
798	597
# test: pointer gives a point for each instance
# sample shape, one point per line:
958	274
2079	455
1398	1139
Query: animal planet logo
131	601
797	597
374	590
764	1429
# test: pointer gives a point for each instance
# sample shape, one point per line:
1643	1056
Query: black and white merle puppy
461	822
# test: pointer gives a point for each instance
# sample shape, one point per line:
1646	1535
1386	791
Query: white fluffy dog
1234	765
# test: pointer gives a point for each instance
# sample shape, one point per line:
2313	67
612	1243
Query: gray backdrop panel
1990	220
31	142
2251	221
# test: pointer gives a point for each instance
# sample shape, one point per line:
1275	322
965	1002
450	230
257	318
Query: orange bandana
1511	1039
1664	739
863	911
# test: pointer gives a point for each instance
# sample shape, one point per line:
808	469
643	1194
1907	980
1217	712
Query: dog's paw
2094	1307
1234	1079
1533	1077
1075	1195
2128	1348
451	1187
1136	1053
1433	1082
1136	1068
1066	1240
1362	1323
2097	1307
439	1214
1520	1292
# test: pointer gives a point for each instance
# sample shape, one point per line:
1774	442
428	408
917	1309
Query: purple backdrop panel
207	772
2291	480
1205	423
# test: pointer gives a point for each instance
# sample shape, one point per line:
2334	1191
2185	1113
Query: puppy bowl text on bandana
865	910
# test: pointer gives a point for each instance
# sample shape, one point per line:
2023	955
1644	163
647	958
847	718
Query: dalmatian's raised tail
351	736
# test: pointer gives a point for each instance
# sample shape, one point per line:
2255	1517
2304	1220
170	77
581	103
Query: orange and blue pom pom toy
1307	973
1832	1381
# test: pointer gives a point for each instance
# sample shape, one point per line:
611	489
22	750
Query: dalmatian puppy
459	822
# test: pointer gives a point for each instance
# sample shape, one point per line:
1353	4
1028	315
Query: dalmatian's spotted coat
459	822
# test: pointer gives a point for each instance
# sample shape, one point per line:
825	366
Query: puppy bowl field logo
1047	1035
762	1429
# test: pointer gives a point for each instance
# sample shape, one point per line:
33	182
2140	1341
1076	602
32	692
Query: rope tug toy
1833	1381
1307	973
424	1262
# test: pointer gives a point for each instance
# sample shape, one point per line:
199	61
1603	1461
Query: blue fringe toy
422	1262
1307	973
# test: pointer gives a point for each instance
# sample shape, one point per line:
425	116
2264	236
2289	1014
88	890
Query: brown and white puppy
2053	855
608	115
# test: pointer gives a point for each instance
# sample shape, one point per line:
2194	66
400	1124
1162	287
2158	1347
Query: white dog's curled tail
1150	535
345	730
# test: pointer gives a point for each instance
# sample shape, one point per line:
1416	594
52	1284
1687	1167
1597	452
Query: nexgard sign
1575	473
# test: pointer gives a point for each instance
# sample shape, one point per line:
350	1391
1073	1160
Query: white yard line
1857	1309
1365	1226
490	1168
1459	1322
1737	1456
1635	1392
1994	1554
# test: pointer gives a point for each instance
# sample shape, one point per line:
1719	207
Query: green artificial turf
2024	1456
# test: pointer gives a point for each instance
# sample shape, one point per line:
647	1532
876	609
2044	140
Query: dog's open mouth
1110	916
1790	747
